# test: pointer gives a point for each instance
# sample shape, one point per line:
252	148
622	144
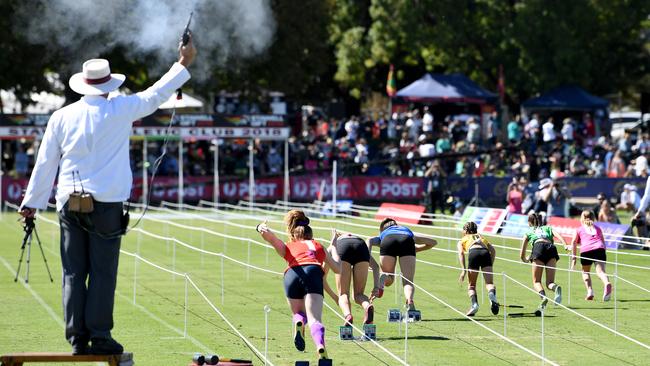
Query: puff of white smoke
224	30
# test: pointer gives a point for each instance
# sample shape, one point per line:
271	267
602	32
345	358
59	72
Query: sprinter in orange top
303	278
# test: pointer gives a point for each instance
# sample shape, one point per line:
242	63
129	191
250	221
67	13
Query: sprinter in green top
543	256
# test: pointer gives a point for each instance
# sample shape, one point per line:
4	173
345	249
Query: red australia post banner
358	188
200	188
12	189
305	188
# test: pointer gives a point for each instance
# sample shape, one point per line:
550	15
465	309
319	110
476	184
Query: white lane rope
370	210
270	271
455	221
274	272
437	236
518	262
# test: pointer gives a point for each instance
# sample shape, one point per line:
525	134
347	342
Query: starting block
413	316
345	333
394	315
370	332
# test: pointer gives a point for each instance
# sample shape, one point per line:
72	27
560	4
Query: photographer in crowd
88	142
556	198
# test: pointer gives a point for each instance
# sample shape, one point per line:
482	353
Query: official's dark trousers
90	248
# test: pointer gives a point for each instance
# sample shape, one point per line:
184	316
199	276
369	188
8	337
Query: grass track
153	328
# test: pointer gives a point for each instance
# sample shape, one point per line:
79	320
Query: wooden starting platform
18	359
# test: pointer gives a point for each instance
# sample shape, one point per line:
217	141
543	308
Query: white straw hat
96	78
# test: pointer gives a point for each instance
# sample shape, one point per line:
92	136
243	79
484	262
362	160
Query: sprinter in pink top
592	250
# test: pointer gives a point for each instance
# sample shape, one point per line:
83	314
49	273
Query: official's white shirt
91	136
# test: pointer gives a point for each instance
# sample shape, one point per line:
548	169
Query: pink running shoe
589	297
608	292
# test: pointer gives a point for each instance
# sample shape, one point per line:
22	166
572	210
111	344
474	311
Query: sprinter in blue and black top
396	241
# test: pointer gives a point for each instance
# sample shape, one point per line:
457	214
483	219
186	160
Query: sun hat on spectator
95	78
626	187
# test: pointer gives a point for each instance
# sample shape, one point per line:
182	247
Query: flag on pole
391	84
502	84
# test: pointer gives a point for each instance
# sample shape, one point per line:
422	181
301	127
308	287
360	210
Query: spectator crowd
406	144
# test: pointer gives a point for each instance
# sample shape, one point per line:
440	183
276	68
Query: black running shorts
478	258
302	280
397	245
352	249
544	251
587	258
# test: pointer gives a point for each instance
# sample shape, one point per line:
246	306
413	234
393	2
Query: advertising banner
467	213
409	214
515	226
187	126
476	214
492	221
489	220
358	188
492	189
613	234
564	226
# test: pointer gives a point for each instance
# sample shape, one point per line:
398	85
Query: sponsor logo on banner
401	213
492	220
368	188
476	214
264	133
564	226
488	219
515	226
613	234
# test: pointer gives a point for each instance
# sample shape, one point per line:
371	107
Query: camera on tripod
30	224
30	229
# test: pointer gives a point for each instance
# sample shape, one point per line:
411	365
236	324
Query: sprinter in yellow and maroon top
481	255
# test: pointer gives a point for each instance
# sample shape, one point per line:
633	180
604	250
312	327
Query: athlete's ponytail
470	227
298	225
534	220
587	218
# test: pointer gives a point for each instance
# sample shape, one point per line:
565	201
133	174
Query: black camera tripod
30	228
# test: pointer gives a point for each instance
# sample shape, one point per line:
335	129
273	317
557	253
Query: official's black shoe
80	347
105	346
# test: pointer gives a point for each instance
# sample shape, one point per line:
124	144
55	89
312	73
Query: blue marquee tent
566	98
446	88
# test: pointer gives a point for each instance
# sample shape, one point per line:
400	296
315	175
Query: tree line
342	49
